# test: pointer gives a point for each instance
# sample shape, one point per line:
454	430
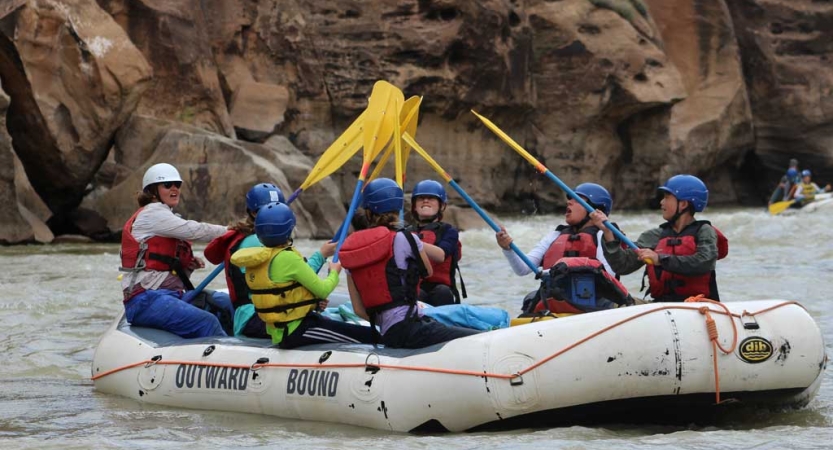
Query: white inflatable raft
822	202
650	363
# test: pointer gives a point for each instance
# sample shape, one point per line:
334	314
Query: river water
55	301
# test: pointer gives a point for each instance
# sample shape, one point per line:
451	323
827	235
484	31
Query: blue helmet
383	195
688	188
429	188
262	194
274	224
806	173
792	172
596	196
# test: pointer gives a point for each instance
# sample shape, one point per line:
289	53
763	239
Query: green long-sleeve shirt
624	260
290	266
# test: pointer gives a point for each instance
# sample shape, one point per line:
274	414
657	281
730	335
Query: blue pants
165	310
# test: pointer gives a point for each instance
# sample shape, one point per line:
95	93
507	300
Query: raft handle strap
372	368
749	321
153	361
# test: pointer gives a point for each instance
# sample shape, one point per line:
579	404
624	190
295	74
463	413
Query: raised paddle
543	169
341	150
379	124
445	176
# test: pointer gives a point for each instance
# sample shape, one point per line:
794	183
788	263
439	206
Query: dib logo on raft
755	350
210	377
313	383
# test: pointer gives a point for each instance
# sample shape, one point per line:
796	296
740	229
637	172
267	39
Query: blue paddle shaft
491	223
589	209
342	233
211	276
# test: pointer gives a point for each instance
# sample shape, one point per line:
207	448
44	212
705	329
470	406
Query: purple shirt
401	252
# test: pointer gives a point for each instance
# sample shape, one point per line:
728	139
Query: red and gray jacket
219	251
164	254
668	286
368	255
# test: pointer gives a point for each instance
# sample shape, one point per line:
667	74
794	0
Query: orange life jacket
156	253
443	272
571	243
368	255
219	251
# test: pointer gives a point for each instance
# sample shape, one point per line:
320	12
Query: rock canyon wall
233	92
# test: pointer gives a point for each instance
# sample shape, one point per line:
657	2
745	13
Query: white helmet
160	173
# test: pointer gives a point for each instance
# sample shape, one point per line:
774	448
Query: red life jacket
219	250
667	286
368	255
581	284
571	243
157	253
443	272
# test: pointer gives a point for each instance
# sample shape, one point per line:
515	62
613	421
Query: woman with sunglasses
574	248
156	253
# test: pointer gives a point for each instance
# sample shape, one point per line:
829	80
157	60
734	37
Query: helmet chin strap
673	220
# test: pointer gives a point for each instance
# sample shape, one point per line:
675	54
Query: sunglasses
169	184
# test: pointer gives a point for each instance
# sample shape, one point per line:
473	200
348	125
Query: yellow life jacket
808	190
276	303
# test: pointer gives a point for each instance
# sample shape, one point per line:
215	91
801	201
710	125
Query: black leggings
317	329
422	332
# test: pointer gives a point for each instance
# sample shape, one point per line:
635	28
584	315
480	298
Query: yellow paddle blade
351	149
779	207
408	119
431	162
408	116
336	154
381	163
538	166
382	115
399	167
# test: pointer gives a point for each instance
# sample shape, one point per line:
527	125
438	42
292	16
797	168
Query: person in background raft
385	263
286	291
578	240
805	191
242	235
156	253
683	250
786	186
441	241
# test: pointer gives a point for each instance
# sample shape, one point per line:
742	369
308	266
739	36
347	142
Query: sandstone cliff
620	92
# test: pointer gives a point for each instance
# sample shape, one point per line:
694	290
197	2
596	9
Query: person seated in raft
286	291
441	241
683	251
805	191
242	235
385	263
784	190
156	253
574	252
